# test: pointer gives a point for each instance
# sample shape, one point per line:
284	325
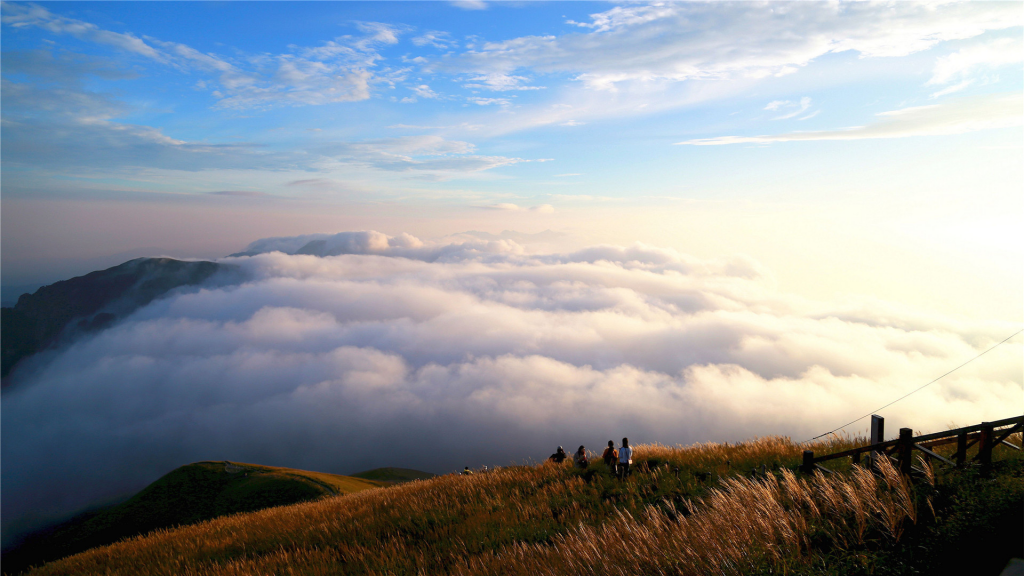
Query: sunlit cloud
413	153
986	56
953	117
685	41
509	207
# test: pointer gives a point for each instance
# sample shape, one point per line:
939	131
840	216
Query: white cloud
622	16
503	102
469	4
340	70
19	15
690	41
952	89
441	40
436	356
424	91
508	207
794	108
77	132
703	52
966	61
413	153
379	32
62	126
499	82
953	117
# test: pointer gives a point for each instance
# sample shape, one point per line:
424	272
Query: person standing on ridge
559	456
580	458
610	455
625	458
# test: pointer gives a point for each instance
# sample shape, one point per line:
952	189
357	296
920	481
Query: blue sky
608	122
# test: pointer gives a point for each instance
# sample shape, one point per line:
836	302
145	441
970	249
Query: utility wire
915	390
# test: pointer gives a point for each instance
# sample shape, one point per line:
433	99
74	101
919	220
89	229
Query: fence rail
986	435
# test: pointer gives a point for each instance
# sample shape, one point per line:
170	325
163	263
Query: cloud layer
372	350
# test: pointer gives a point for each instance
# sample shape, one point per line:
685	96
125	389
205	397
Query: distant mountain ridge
91	302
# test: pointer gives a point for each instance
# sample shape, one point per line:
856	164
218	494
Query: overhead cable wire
876	410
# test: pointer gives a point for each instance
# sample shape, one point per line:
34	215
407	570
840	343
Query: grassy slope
552	519
186	495
394	475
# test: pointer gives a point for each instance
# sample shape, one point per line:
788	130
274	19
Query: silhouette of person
580	458
625	458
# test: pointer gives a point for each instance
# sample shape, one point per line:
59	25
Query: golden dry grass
550	519
743	526
335	483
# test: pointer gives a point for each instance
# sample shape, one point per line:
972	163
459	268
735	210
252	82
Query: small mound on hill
186	495
394	475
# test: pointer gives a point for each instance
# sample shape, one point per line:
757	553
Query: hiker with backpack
610	455
625	458
580	458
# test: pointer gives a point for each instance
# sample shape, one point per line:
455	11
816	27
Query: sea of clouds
358	350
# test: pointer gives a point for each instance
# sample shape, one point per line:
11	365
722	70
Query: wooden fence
986	435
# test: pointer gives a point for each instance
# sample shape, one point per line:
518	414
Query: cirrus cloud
340	70
953	117
692	41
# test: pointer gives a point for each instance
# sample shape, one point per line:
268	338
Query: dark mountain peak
88	303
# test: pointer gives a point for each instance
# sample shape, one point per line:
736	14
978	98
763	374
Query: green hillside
728	509
394	475
186	495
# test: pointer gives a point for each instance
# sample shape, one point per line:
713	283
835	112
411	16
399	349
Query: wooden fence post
877	435
961	448
985	448
808	465
877	429
906	447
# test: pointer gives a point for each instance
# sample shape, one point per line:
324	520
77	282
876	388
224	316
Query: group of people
618	461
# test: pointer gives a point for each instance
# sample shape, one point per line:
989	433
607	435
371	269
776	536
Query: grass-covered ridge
186	495
553	519
393	475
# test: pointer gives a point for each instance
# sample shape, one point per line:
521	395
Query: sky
538	224
877	145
